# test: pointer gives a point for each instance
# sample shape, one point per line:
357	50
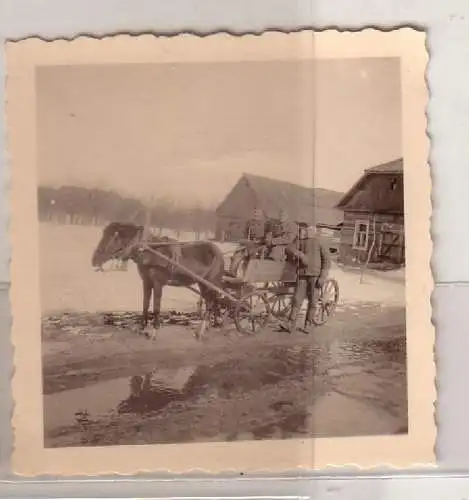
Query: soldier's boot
309	325
290	324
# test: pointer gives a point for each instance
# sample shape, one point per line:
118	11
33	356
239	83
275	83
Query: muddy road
104	384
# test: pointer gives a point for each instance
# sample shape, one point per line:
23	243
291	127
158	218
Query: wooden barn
261	199
373	227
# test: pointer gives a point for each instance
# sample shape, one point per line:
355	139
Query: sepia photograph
224	246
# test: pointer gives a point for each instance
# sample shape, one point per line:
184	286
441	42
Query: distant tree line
80	205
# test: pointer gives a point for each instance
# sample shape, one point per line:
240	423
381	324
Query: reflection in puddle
135	394
155	390
229	380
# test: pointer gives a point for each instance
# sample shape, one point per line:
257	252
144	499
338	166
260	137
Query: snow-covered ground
68	282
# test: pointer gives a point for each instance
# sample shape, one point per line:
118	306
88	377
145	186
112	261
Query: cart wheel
219	321
252	313
273	288
280	305
327	302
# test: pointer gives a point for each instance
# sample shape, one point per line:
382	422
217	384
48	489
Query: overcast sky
188	131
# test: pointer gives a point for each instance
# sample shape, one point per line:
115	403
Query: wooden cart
276	282
262	293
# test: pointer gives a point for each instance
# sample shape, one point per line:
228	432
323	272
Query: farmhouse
373	227
262	198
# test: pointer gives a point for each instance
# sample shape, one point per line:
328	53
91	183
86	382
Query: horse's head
115	242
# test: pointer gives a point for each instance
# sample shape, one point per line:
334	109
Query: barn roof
392	167
360	194
302	204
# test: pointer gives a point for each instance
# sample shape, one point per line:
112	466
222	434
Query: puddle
154	390
93	400
136	394
369	351
368	385
231	380
336	415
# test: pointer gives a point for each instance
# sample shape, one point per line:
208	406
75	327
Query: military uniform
288	238
314	263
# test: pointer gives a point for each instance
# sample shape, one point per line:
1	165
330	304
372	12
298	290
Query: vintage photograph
223	247
198	163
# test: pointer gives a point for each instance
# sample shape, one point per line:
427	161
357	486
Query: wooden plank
259	270
289	273
262	270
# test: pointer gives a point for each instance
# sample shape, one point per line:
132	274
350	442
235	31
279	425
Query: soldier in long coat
314	261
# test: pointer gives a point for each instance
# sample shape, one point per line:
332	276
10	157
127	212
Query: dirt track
269	386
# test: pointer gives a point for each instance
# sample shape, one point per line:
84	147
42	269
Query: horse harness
174	248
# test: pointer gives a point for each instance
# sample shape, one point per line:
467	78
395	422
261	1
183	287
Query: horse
203	258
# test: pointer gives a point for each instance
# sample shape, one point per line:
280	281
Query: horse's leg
211	309
205	314
157	294
215	307
200	300
147	288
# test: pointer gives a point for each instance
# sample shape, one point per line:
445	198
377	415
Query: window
361	235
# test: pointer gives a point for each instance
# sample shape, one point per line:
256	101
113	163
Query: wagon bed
262	271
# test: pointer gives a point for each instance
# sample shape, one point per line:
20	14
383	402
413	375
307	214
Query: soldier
314	263
288	237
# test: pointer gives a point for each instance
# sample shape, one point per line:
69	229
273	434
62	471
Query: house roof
391	167
360	193
302	204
